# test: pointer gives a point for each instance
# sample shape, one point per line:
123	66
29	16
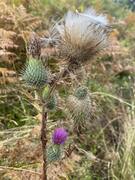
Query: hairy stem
44	142
44	126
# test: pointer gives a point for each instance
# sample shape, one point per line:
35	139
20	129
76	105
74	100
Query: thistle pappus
80	36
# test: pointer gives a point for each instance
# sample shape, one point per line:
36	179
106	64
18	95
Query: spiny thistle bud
80	36
53	153
51	104
79	107
59	136
35	74
51	101
81	92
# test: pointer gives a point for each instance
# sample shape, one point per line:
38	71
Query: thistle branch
44	126
44	142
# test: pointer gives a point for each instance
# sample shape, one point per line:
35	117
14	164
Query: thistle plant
77	38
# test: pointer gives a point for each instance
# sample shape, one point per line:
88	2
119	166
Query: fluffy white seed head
82	35
99	18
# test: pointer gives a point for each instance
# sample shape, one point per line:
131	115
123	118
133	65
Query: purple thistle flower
59	136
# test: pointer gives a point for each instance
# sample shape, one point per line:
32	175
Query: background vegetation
106	151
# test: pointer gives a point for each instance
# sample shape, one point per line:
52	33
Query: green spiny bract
81	92
80	109
35	74
51	104
50	101
54	153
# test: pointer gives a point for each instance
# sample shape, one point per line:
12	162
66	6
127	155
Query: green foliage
124	86
127	3
35	73
16	112
55	115
110	7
